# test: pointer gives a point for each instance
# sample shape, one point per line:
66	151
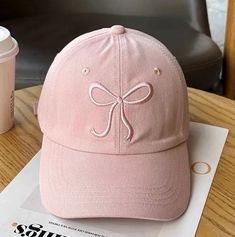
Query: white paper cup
8	51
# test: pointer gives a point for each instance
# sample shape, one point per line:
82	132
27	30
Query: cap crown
115	93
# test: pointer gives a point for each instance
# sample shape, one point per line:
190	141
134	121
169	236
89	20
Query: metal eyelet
85	71
157	71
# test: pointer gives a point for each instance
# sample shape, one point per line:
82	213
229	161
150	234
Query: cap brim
75	184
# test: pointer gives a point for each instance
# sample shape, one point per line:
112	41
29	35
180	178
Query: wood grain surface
218	217
23	141
20	144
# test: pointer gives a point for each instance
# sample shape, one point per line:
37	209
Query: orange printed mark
201	167
14	224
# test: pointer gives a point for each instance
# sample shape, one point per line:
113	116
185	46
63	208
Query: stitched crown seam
120	90
116	78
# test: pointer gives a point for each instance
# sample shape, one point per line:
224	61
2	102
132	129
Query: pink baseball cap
114	114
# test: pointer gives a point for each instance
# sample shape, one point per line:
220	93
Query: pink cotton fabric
139	168
81	184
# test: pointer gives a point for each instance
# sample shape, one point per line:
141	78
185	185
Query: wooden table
20	144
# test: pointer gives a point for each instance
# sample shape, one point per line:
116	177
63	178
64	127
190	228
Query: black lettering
35	227
50	234
33	230
42	233
20	229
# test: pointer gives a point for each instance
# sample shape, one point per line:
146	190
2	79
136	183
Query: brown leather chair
44	27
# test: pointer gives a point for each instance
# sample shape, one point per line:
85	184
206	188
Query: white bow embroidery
121	100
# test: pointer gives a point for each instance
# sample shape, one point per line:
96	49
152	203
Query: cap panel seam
119	89
124	71
116	79
116	120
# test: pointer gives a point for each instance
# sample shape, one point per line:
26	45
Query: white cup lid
8	45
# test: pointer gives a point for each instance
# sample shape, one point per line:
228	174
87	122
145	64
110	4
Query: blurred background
193	30
217	13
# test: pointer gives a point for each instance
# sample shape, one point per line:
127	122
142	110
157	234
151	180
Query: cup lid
8	45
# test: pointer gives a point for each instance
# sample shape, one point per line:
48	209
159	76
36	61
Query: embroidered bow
121	100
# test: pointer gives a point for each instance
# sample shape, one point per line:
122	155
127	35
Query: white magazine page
22	214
